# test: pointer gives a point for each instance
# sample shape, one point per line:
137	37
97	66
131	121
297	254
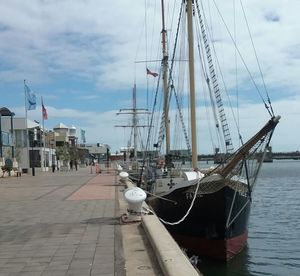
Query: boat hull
216	226
213	248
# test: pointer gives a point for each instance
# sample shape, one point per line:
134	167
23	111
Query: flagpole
43	153
44	148
26	124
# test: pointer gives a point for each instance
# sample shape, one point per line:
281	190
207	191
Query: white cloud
99	43
100	126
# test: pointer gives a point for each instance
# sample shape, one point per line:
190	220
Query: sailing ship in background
130	159
205	210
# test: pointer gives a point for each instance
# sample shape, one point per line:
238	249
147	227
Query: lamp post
52	154
107	157
33	141
37	138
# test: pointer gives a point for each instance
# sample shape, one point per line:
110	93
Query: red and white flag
44	111
151	73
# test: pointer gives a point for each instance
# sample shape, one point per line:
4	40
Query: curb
172	260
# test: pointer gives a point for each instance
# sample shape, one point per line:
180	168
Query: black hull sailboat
210	229
208	216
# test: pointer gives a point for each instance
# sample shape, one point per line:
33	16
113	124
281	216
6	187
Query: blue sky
80	57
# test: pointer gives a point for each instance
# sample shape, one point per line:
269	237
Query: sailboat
206	211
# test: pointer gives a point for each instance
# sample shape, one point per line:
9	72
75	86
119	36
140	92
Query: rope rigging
171	86
257	60
211	81
268	108
236	121
215	85
149	130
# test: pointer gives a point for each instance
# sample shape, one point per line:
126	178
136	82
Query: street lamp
52	154
33	142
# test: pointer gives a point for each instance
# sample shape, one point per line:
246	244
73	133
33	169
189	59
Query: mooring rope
160	197
188	211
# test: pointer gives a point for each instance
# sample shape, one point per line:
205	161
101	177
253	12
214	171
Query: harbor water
274	227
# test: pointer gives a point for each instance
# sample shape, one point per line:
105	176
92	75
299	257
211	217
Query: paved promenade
67	223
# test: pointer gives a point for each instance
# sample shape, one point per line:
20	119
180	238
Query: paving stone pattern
56	224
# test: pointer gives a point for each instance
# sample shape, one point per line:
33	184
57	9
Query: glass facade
6	139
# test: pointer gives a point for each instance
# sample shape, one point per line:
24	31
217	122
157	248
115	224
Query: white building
32	146
36	152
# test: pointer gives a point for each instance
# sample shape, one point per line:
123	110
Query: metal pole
32	159
27	133
43	161
12	135
1	136
52	160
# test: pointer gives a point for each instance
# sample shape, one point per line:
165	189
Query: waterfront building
34	153
98	152
28	145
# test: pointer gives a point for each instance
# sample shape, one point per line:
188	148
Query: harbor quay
68	223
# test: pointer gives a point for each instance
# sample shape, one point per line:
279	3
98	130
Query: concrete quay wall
172	261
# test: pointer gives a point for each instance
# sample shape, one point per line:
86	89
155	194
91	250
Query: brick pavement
61	223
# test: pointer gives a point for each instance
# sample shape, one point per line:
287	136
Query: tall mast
165	78
192	83
134	121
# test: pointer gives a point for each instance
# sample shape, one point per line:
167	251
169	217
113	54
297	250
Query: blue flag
30	99
83	136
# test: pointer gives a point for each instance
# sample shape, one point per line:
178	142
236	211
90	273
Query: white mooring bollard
123	176
135	197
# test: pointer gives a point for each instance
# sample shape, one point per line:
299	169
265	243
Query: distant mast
134	111
192	84
165	79
134	121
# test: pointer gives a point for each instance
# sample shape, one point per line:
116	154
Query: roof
4	111
60	126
